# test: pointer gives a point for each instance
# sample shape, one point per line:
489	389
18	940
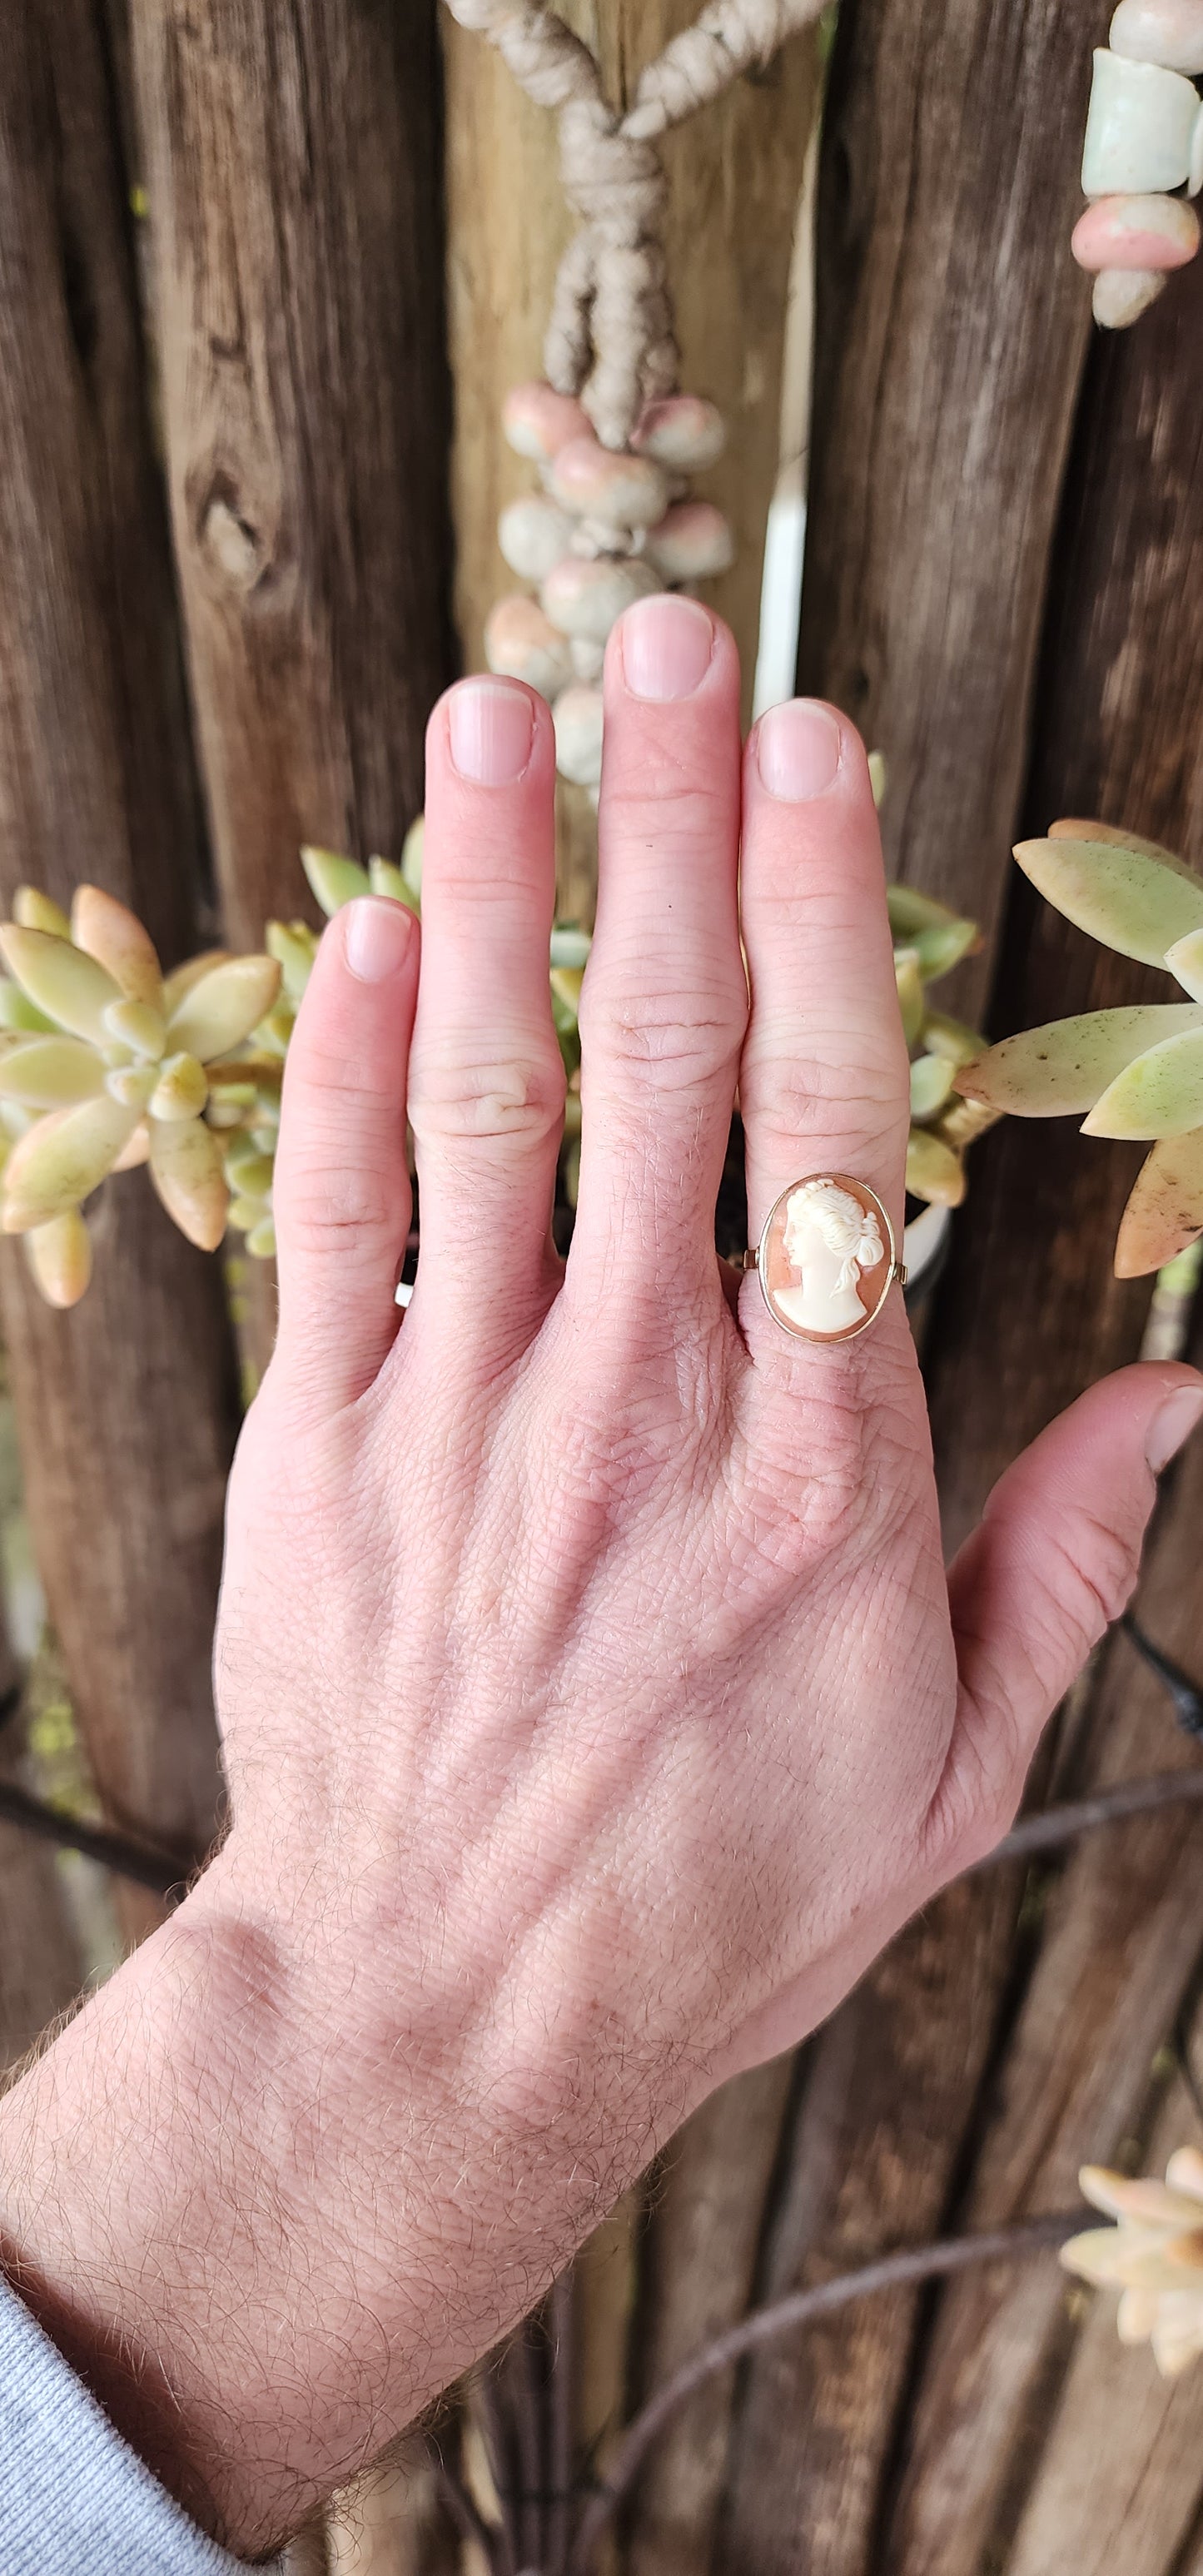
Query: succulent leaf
1135	904
570	945
181	1090
115	936
1185	960
951	1038
137	1152
910	993
261	1241
1064	1067
61	980
412	850
1161	1094
183	978
910	911
137	1025
333	879
60	1257
384	878
62	1159
18	1014
931	1082
185	1166
942	946
222	1009
131	1085
294	946
50	1072
34	910
1073	829
1165	1211
934	1171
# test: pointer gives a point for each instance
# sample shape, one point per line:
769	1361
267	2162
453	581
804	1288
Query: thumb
1053	1563
342	1198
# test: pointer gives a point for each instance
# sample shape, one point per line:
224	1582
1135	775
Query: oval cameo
826	1258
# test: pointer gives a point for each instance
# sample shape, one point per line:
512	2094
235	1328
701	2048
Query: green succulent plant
1135	1072
929	940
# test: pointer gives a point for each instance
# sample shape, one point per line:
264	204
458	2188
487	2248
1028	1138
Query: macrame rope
610	337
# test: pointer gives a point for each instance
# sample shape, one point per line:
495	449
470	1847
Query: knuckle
818	1094
331	1200
644	1022
520	1096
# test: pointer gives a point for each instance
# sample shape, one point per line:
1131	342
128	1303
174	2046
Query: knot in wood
232	544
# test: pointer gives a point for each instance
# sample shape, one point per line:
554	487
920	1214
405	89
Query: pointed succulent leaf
62	1159
1185	960
50	1072
1184	2171
1072	830
412	849
294	946
181	1090
1139	2197
1063	1068
570	945
1161	1094
137	1152
182	978
223	1008
911	911
386	879
131	1085
240	1154
261	1241
114	935
942	947
1100	2254
276	1029
934	1172
34	910
185	1166
18	1014
1135	904
137	1025
1165	1211
878	777
931	1082
61	980
251	1175
964	1121
910	993
952	1039
334	879
245	1212
60	1257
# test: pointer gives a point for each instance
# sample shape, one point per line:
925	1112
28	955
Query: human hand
595	1702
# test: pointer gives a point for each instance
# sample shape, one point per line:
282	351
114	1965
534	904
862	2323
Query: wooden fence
251	303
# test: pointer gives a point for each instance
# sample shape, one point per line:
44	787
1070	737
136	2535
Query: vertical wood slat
951	329
292	163
735	176
126	1406
1120	1948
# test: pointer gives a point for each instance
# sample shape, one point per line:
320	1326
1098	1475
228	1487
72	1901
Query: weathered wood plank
1120	2479
951	327
735	176
1120	1946
698	2276
292	162
125	1407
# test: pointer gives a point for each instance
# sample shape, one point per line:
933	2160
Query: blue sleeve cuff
74	2499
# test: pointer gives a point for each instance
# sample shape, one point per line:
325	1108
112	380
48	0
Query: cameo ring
827	1258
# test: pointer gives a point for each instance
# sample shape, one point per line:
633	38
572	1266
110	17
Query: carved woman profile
829	1239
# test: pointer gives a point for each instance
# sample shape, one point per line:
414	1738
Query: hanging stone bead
692	543
1141	130
1169	32
534	536
522	644
682	433
579	721
538	421
596	482
586	600
1136	232
1121	295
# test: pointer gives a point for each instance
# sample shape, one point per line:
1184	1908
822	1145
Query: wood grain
1120	1948
292	162
126	1407
735	176
951	329
1117	735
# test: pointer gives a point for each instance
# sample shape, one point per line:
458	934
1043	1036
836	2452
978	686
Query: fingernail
376	938
798	750
667	645
491	728
1174	1424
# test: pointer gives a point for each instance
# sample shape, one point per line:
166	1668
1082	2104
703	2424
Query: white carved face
826	1267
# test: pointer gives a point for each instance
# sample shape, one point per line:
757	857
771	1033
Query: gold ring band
827	1258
